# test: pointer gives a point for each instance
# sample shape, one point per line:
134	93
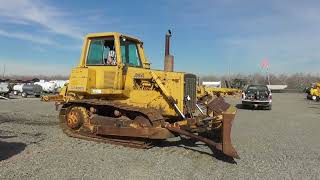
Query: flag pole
268	75
4	70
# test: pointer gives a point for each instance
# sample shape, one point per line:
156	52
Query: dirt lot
280	144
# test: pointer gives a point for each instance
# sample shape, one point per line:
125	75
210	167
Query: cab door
131	60
103	63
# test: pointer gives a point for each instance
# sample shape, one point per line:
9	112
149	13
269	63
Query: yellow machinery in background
223	91
205	92
314	92
113	96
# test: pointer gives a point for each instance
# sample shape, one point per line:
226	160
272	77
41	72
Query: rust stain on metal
217	106
152	133
226	147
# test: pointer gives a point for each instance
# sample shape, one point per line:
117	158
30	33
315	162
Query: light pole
4	71
268	75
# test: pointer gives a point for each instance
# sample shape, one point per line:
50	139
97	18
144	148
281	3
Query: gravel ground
279	144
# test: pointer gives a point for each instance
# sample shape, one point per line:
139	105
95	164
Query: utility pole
265	65
268	75
229	71
4	71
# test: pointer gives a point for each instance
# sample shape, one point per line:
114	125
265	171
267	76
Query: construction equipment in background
212	89
313	93
204	92
53	86
27	89
35	87
31	89
113	96
59	84
17	89
47	87
236	83
223	91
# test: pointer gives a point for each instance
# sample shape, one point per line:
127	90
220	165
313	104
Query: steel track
153	115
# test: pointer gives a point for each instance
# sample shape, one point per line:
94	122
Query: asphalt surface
280	144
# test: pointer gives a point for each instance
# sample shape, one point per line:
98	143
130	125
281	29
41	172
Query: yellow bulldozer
113	96
314	92
203	91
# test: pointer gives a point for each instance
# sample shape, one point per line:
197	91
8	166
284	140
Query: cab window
102	52
129	53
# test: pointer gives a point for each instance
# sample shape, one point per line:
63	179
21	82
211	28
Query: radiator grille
190	89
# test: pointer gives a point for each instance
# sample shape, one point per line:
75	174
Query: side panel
106	77
81	80
147	94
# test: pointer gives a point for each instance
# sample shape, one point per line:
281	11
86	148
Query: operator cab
103	51
108	58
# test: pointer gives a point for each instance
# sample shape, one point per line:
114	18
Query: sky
209	37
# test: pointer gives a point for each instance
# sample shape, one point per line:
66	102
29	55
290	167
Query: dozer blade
227	147
218	106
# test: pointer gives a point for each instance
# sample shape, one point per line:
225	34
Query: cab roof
101	34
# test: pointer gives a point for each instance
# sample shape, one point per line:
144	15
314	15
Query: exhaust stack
168	59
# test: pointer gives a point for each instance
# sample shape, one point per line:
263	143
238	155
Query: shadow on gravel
240	106
34	135
313	107
25	121
13	97
189	143
7	137
9	149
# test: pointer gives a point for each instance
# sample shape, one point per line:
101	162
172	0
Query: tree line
294	81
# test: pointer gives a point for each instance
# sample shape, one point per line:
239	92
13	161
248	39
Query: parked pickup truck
254	96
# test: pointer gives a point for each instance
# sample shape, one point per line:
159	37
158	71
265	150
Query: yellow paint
315	91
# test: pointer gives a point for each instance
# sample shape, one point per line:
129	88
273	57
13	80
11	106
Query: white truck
17	89
257	96
47	87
